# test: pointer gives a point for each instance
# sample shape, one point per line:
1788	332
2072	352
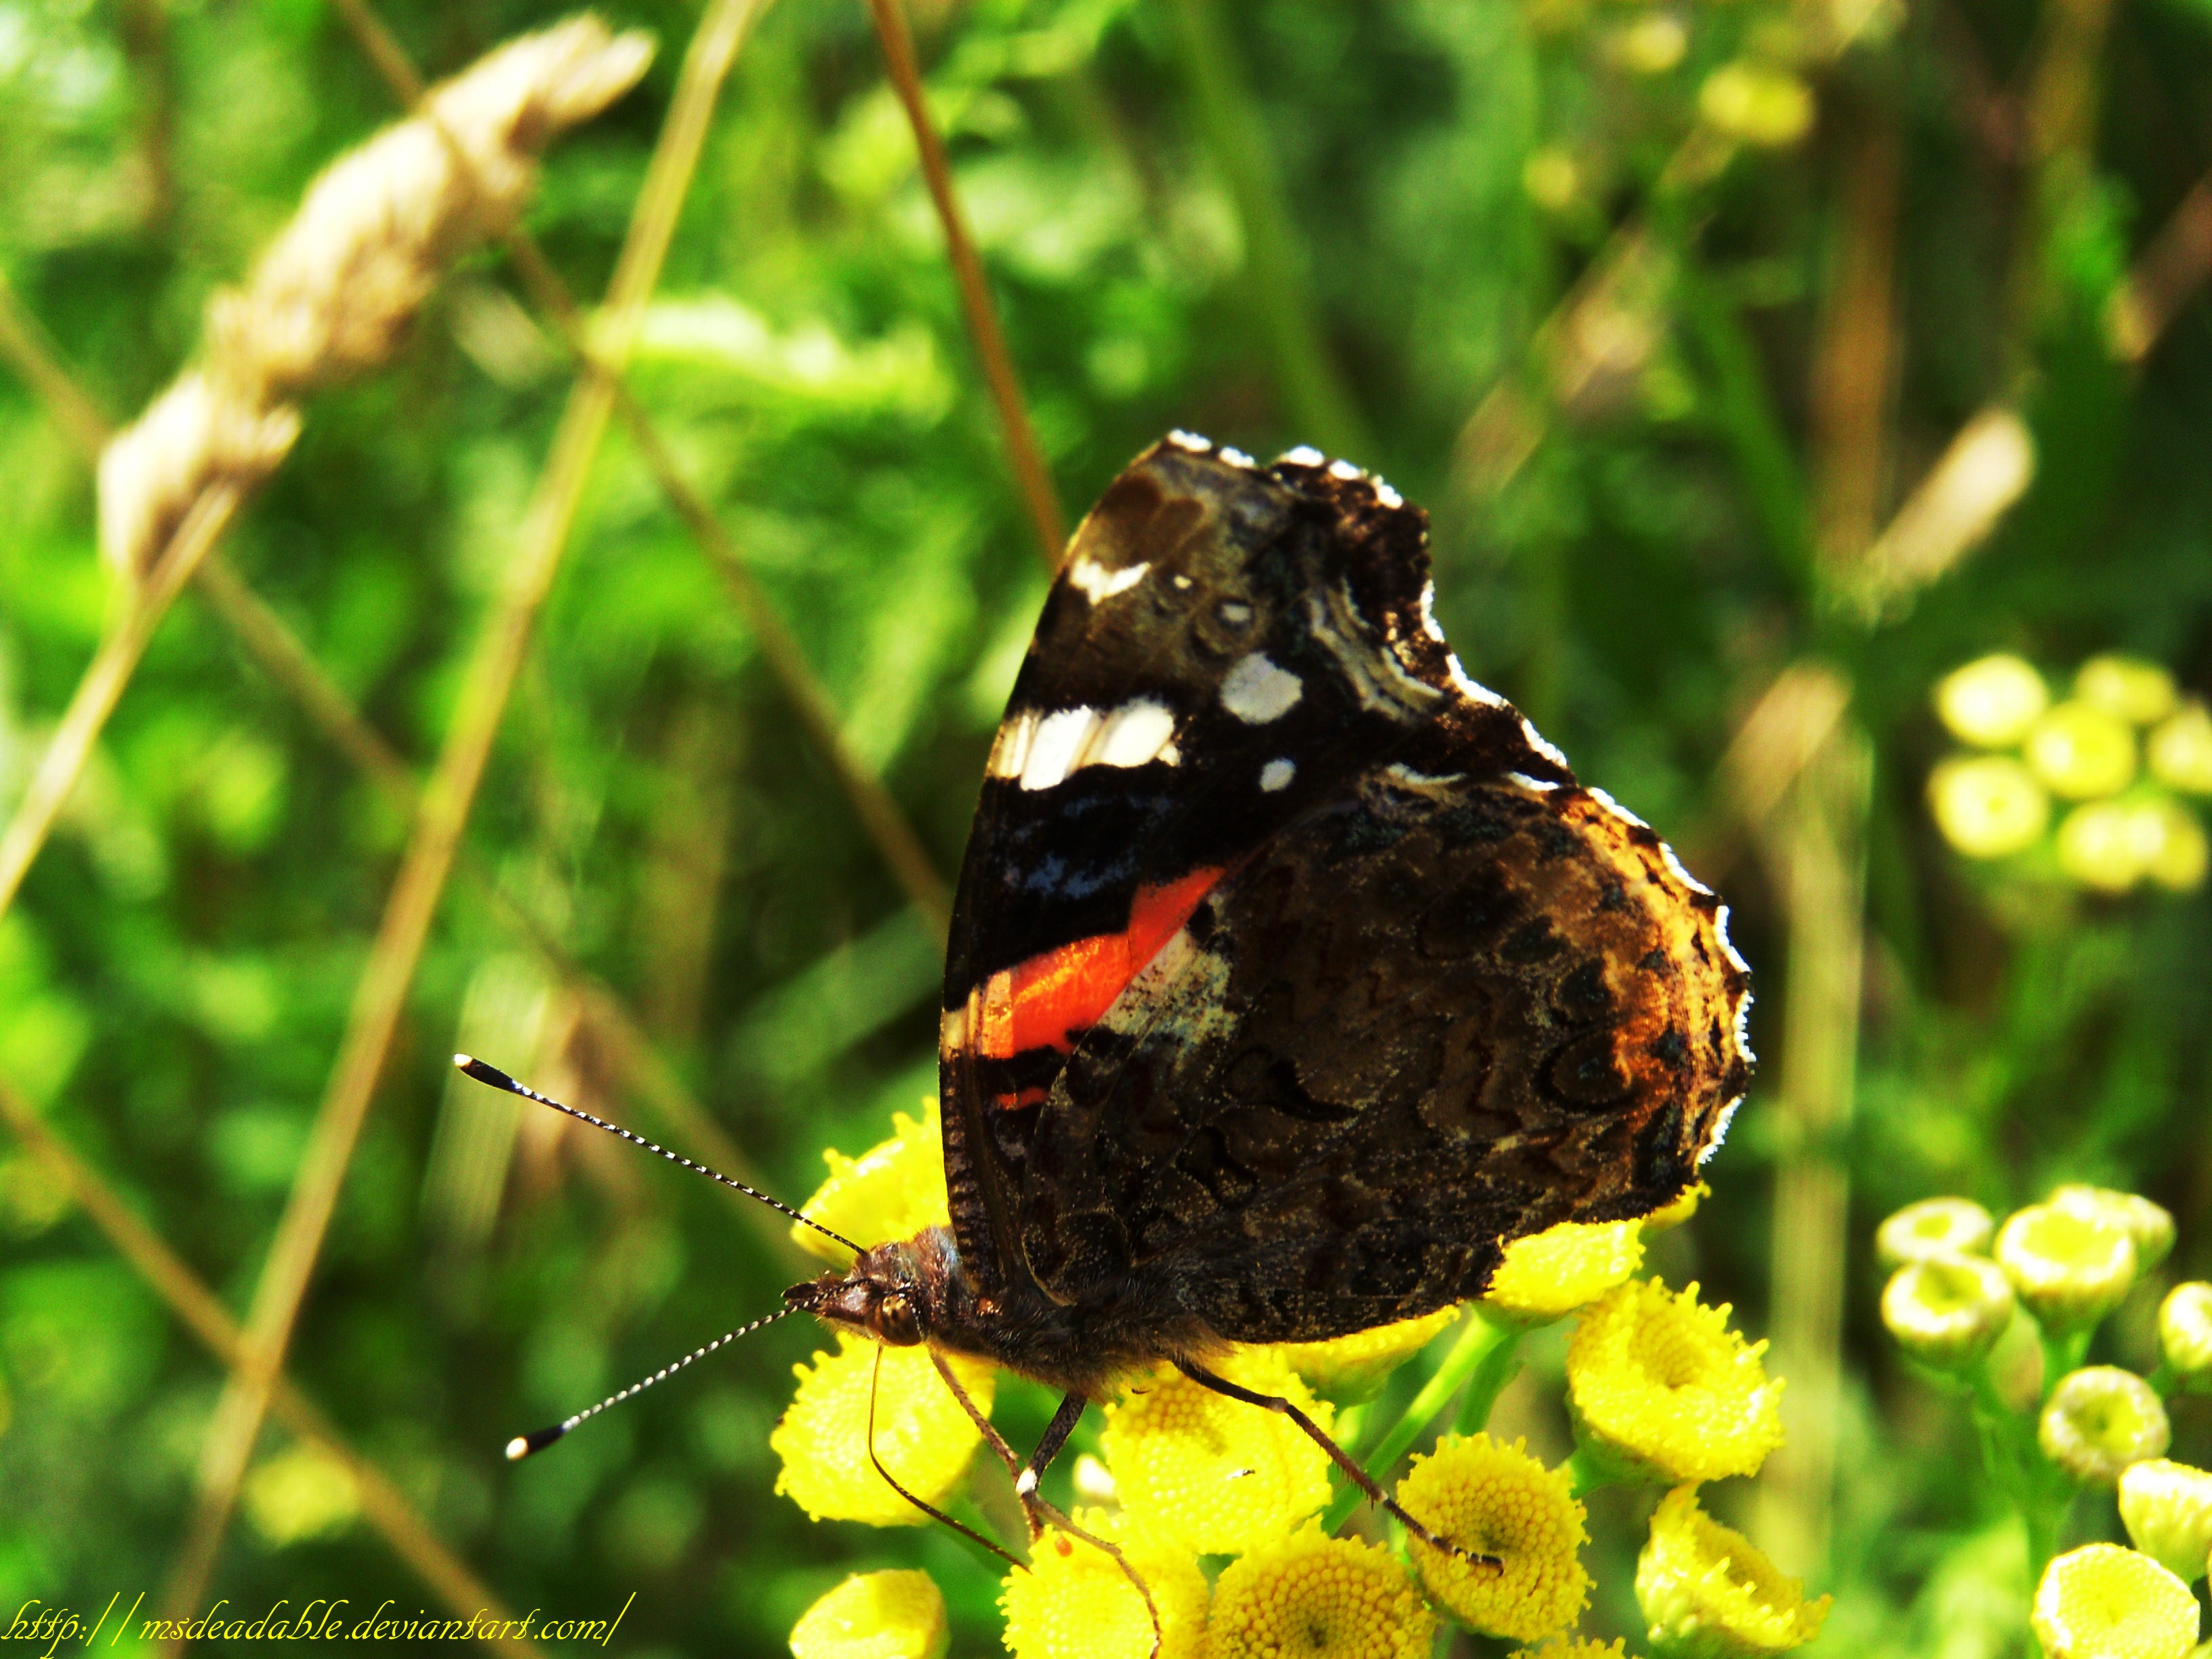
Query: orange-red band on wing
1056	995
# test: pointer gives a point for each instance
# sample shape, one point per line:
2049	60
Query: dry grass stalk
335	291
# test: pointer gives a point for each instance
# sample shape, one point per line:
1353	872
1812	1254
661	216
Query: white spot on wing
1236	457
1011	748
1304	455
1133	735
1627	818
1534	786
1720	1131
1191	442
1060	736
1096	583
1344	469
1387	495
1542	746
1429	623
1682	874
1734	957
1277	774
1471	687
952	1029
1257	691
1398	772
1743	1029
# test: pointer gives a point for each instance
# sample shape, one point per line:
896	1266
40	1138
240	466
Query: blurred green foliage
1282	222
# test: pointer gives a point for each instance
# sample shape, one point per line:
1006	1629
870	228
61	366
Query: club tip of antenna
484	1071
523	1445
462	1063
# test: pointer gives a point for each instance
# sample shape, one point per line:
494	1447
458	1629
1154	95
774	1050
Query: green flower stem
1589	1471
1479	1338
2039	1489
2062	1351
2164	1380
1498	1367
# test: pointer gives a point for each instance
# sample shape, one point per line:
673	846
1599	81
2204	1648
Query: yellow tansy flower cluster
1661	1386
1498	1500
1184	1477
1707	1593
893	1190
2125	750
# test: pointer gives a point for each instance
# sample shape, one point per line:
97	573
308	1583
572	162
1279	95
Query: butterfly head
881	1295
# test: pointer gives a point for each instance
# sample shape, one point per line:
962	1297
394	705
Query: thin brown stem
101	688
200	1312
1022	451
497	660
894	835
31	354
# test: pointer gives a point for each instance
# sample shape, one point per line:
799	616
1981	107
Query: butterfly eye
891	1321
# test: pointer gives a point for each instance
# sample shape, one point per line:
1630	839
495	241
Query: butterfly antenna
523	1445
875	1382
492	1077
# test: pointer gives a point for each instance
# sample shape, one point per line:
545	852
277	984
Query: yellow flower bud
2184	1329
1992	701
1073	1601
2082	752
2104	1602
893	1190
1708	1593
1497	1500
1660	1387
922	1435
1552	178
2132	688
1573	1647
2107	846
2069	1267
2180	749
1988	805
1934	1227
2167	1507
300	1493
875	1615
2150	1225
1355	1367
1758	106
2099	1420
1563	1268
1320	1598
1947	1311
1212	1474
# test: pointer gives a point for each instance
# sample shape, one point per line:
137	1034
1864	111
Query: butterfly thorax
918	1290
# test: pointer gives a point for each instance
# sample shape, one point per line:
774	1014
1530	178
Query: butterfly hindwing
1437	1014
1226	649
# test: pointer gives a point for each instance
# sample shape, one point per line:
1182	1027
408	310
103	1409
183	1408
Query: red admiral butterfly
1292	974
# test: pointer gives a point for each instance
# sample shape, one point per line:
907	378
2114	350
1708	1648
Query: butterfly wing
1226	647
1439	1014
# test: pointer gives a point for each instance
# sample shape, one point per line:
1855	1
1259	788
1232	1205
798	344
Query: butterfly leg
1341	1458
1038	1513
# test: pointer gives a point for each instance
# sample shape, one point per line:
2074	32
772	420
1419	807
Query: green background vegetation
1298	221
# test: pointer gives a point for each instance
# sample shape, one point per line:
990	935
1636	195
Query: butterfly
1291	975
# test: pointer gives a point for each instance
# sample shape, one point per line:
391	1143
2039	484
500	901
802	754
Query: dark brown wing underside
1441	1015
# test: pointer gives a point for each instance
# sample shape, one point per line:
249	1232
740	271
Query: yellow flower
2169	1511
1317	1597
2176	854
2185	1328
2082	752
2104	1602
2180	749
1947	1311
922	1436
2150	1225
1572	1647
1663	1385
1987	805
1992	701
893	1190
2132	688
1563	1267
2070	1266
1348	1368
1498	1500
1934	1227
1707	1593
2099	1420
875	1615
1213	1473
1073	1601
